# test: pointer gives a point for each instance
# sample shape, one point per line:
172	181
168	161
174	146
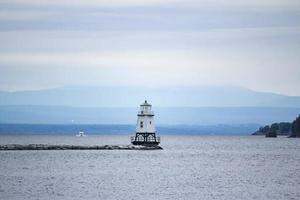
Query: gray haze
159	97
164	116
150	43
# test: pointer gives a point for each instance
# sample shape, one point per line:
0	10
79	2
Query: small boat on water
81	134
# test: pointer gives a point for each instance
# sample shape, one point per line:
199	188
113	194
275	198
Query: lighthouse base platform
145	139
143	143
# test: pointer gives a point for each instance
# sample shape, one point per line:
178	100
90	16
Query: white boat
80	134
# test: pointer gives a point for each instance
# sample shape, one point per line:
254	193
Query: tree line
283	128
296	127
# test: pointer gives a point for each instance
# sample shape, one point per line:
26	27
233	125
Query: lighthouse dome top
146	104
145	109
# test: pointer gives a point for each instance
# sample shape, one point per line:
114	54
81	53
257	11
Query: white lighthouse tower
145	127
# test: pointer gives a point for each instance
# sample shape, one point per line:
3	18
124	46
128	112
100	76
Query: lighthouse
145	127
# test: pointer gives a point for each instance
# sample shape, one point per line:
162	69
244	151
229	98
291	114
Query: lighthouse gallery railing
142	139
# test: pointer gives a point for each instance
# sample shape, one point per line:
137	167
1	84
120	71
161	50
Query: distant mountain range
164	115
185	107
159	97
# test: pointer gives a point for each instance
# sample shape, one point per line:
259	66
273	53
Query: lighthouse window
141	124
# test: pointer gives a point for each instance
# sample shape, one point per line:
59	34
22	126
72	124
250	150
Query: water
189	167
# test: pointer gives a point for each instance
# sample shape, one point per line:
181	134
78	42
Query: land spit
9	147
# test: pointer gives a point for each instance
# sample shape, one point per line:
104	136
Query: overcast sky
52	43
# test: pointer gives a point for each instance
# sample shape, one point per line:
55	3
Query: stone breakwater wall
19	147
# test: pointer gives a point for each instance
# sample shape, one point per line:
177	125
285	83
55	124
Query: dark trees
273	130
296	128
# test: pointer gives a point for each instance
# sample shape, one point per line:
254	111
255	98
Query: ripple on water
190	167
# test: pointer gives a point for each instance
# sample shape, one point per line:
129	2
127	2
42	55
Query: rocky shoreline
19	147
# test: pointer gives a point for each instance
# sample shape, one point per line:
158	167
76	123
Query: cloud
128	59
150	42
24	15
96	18
104	3
186	3
260	59
244	67
90	41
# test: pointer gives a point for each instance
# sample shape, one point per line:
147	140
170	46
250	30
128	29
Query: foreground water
189	167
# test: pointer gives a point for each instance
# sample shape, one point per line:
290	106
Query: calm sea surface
189	167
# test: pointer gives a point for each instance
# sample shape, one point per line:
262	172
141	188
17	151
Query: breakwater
19	147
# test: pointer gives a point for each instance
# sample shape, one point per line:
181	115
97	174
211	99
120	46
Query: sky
150	43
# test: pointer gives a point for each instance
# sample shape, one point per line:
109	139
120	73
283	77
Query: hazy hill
200	109
164	115
164	97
